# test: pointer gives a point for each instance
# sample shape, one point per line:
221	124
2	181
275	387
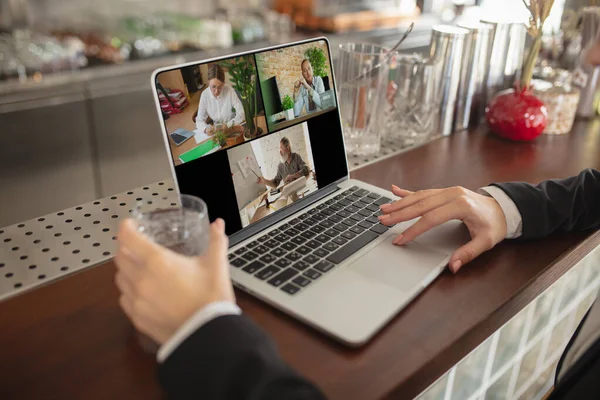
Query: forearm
233	121
298	103
571	204
200	318
316	97
230	358
201	125
201	117
300	173
239	119
513	219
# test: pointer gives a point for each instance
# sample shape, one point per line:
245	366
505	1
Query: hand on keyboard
481	214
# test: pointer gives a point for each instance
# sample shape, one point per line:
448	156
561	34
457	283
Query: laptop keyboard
299	252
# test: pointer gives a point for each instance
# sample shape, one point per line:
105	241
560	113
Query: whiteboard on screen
242	162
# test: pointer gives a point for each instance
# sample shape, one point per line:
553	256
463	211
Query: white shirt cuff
201	317
514	221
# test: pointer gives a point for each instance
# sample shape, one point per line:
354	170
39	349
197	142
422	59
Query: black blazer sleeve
231	358
571	204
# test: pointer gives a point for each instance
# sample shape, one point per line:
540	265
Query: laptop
181	135
327	99
322	258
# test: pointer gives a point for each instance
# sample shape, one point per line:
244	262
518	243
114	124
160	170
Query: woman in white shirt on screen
220	102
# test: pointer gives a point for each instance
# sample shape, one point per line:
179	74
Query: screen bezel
272	219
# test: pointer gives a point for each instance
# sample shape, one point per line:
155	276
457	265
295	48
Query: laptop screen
253	134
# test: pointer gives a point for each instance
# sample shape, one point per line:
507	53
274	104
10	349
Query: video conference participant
219	104
291	167
307	90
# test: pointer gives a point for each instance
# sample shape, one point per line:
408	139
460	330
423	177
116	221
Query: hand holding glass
183	227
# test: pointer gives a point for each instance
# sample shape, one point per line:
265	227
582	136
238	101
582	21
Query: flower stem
530	62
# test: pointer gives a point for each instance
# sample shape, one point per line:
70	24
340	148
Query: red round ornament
516	114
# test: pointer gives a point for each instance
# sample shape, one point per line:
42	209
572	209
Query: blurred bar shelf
418	40
92	133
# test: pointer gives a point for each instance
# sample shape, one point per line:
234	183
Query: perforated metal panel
39	250
389	148
42	249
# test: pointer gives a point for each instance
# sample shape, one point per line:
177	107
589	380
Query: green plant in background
287	103
243	76
317	59
220	138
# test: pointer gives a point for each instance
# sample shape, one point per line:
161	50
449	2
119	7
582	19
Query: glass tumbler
414	103
183	227
362	91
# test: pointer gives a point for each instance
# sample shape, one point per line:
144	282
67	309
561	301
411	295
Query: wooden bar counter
69	339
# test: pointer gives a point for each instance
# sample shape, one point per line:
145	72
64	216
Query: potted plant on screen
317	59
233	137
243	78
288	107
220	138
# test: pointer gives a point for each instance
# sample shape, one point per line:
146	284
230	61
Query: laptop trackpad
400	267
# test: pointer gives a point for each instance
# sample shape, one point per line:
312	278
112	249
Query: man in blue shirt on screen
307	90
